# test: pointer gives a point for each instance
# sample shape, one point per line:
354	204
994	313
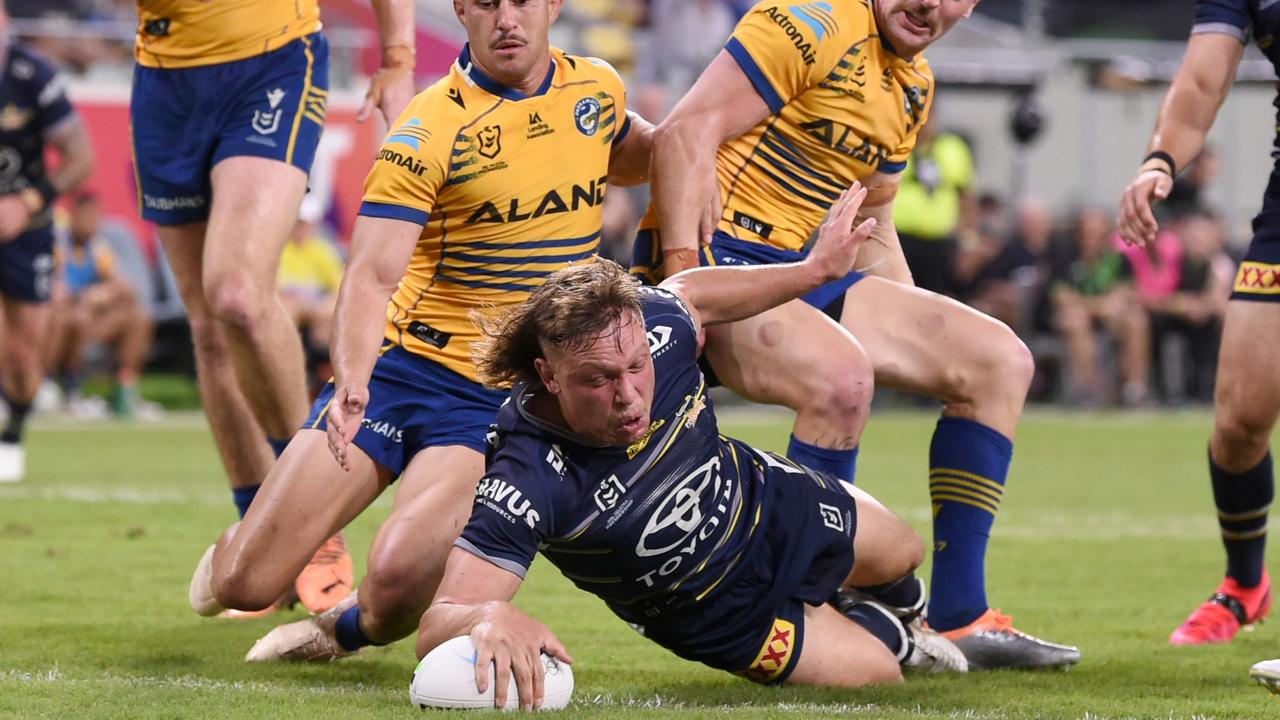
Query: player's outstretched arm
474	599
1189	108
725	294
391	87
629	160
380	252
722	105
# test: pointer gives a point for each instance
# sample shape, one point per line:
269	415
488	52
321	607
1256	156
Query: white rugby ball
446	678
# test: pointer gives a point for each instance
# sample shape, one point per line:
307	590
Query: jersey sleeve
785	49
512	513
1226	17
410	168
51	97
617	91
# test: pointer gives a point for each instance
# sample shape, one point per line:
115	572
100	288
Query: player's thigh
255	205
791	355
884	547
26	324
927	343
184	248
838	652
1247	395
305	498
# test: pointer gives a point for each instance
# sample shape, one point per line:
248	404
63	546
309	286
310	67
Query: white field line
54	676
1026	526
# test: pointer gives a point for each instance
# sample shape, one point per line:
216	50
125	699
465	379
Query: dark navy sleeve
51	95
669	326
512	513
1227	17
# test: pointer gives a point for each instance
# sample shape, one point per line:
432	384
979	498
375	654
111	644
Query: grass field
1106	539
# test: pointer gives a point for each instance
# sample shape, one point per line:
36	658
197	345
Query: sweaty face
912	25
509	38
605	390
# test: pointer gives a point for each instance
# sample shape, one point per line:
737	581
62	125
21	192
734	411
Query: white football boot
1267	674
931	652
13	462
200	592
314	639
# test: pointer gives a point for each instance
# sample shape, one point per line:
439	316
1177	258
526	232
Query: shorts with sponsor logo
754	624
646	263
186	120
1258	277
414	404
26	266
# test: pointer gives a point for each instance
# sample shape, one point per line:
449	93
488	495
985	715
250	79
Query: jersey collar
492	86
523	395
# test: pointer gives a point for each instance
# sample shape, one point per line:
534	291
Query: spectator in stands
1196	305
310	273
95	303
1188	194
683	37
928	205
1095	290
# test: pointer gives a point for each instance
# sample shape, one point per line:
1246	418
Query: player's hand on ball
838	241
1136	223
14	216
514	643
345	415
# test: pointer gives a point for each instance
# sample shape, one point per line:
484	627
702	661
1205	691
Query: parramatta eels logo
490	141
586	115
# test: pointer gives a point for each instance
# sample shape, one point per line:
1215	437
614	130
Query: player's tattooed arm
722	105
629	159
391	87
882	254
1198	90
474	599
70	140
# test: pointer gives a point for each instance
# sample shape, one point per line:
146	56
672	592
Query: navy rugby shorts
753	625
26	266
185	120
416	403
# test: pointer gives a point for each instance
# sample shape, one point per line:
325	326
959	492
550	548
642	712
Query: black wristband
1164	157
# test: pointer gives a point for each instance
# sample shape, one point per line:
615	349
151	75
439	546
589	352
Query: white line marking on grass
190	682
95	495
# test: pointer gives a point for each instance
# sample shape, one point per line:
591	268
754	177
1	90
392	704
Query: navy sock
904	594
881	623
278	445
244	497
968	465
1243	500
348	631
840	463
17	423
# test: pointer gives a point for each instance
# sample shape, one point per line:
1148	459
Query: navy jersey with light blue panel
33	102
1258	277
703	540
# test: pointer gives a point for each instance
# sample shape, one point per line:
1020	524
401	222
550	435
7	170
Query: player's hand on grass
838	241
14	216
391	87
1136	223
345	415
514	643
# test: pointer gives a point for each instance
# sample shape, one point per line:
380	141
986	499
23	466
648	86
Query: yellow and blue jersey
508	188
844	107
187	33
83	266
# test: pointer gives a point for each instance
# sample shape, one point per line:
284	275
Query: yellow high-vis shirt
187	33
508	188
844	106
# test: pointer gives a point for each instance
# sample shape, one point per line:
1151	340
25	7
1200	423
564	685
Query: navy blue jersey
648	528
32	101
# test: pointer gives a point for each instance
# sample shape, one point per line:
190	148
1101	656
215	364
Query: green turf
1106	539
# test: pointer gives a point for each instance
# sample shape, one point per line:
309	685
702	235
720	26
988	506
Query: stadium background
1105	540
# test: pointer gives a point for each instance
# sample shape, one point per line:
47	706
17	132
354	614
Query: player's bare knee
840	390
999	370
1240	437
239	588
236	303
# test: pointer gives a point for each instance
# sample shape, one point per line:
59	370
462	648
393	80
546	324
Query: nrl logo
490	141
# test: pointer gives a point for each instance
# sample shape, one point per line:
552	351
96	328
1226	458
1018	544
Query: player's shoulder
579	68
27	65
807	26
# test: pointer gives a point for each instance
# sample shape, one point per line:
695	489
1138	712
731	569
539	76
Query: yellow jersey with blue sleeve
187	33
844	106
508	189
